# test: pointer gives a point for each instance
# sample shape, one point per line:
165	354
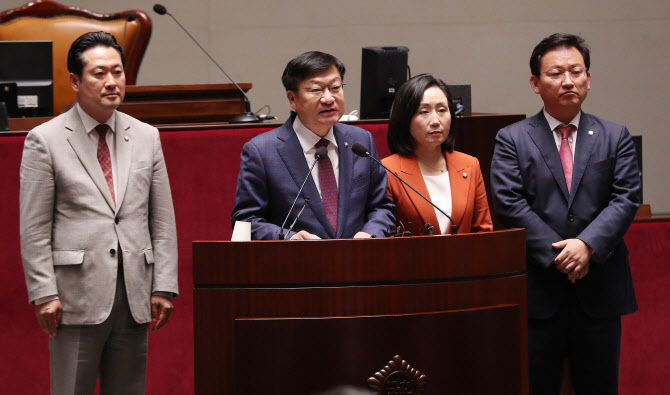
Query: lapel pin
346	144
126	138
465	175
590	132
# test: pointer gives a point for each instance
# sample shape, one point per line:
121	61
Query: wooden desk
160	104
168	104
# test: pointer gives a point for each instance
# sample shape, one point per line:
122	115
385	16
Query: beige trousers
115	350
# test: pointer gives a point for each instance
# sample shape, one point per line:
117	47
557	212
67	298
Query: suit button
116	220
571	218
112	251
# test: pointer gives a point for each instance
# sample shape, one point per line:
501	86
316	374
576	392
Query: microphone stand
299	214
320	153
361	151
248	116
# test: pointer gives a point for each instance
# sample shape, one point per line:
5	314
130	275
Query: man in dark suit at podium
346	194
571	179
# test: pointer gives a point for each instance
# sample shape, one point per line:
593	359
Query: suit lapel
86	151
290	151
410	172
346	171
124	150
585	144
543	138
460	187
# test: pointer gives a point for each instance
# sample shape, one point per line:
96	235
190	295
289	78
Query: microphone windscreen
131	16
321	153
360	150
160	9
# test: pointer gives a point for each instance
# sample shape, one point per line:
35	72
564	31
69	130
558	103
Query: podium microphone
248	116
299	214
361	151
320	153
130	16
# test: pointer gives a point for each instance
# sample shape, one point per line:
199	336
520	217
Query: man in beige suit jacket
98	238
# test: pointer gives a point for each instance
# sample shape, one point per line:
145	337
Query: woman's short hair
405	105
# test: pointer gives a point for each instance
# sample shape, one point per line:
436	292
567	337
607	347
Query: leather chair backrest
48	20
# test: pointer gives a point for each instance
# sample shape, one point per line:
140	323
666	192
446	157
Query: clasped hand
573	260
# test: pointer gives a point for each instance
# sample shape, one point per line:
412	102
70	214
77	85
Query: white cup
241	231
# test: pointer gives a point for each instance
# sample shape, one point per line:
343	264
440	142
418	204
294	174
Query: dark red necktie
328	186
565	153
105	158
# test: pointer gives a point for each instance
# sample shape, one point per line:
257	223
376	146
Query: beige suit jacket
70	224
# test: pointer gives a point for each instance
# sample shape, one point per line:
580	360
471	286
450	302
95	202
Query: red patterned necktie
328	186
565	153
105	158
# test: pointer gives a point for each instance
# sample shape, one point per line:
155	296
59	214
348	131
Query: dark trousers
592	345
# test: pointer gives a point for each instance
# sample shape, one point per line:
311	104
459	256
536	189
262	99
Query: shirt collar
90	123
554	123
308	139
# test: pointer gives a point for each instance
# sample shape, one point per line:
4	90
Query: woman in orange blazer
424	156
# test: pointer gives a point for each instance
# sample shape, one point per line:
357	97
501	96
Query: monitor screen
28	64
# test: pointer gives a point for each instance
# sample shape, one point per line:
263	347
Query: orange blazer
470	209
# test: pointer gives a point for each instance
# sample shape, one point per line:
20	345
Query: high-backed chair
48	20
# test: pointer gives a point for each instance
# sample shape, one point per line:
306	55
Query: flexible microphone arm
320	153
299	214
248	116
361	151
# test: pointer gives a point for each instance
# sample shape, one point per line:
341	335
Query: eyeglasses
558	75
319	91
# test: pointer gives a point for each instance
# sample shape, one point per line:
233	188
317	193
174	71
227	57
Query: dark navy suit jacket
530	191
273	168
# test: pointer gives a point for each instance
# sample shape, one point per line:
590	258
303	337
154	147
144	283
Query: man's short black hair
555	41
306	65
75	63
405	105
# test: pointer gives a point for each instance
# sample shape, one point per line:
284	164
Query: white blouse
439	190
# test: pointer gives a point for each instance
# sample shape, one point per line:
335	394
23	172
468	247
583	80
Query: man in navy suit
346	194
571	179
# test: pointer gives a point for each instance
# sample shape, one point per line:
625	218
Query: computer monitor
29	64
383	71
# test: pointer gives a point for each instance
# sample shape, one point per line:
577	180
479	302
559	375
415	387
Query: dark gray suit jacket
273	168
530	191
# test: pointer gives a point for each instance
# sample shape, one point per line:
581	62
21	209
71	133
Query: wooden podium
166	104
284	317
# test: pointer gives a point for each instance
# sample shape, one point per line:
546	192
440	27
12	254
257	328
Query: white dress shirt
308	140
572	139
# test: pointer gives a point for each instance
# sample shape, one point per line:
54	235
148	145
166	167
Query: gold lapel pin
465	175
346	144
590	132
126	138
